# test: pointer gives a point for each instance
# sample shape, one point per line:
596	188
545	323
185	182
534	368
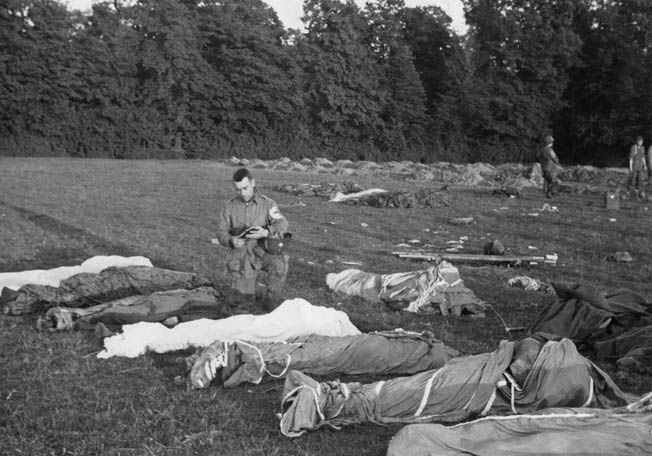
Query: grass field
57	398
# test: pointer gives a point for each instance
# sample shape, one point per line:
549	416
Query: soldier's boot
267	300
238	302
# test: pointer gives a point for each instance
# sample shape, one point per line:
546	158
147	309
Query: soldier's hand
237	242
258	232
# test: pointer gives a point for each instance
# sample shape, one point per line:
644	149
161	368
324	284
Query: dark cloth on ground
185	305
86	289
605	324
511	192
394	352
631	350
464	388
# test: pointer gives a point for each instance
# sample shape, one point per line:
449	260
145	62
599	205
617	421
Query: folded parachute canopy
395	352
183	305
87	289
465	387
615	327
53	277
439	288
557	431
293	318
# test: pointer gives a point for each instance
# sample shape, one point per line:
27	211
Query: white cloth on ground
293	318
53	277
339	196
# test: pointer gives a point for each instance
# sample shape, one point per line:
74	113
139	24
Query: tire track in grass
90	244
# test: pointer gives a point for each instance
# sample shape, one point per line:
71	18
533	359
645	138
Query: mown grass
57	398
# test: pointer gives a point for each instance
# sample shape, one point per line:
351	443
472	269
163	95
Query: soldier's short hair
639	138
241	174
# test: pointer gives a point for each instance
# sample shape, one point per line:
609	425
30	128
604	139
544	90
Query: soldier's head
639	140
549	139
244	184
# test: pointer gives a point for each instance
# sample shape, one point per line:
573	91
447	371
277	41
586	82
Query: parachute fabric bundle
616	327
86	289
557	431
463	388
185	305
395	352
53	277
439	288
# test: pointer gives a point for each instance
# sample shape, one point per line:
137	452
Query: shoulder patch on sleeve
275	213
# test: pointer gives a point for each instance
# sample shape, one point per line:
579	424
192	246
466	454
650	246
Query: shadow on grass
55	256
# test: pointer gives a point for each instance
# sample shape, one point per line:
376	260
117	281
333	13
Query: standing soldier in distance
247	225
637	166
549	163
649	165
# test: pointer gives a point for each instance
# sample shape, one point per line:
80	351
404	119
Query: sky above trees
290	11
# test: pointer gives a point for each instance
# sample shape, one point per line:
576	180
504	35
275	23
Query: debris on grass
510	192
494	247
550	259
529	284
548	208
462	221
621	257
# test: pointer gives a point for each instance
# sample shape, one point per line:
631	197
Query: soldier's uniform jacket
236	216
637	155
548	158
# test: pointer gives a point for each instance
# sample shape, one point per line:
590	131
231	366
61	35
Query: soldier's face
245	188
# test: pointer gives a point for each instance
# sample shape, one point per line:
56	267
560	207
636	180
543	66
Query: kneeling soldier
253	227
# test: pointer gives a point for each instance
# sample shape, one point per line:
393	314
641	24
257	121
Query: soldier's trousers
549	178
636	178
249	272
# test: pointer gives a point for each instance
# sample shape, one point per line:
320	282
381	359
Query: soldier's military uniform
253	263
638	167
549	162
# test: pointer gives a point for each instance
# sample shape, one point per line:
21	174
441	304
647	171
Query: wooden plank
492	259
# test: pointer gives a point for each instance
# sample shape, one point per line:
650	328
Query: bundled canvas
180	305
515	379
88	289
436	289
555	432
392	352
53	277
615	327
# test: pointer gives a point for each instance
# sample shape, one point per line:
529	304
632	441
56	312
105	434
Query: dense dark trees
214	78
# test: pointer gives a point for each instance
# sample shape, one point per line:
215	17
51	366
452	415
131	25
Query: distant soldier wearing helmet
254	228
549	163
637	165
649	164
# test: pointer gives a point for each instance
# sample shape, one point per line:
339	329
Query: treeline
215	78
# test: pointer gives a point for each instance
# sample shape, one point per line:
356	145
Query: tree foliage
213	78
